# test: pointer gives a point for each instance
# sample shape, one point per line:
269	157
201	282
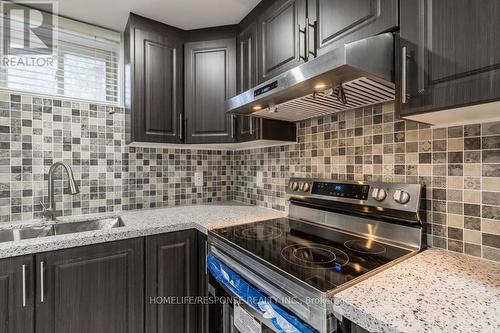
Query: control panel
350	191
265	89
382	195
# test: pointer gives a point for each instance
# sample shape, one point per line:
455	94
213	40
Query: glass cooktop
317	255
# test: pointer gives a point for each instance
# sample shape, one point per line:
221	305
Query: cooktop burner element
311	255
306	250
317	256
367	246
261	232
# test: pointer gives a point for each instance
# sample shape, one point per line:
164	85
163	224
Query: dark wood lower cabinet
16	296
98	289
172	274
202	282
116	287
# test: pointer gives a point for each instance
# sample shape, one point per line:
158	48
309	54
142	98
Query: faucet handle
48	213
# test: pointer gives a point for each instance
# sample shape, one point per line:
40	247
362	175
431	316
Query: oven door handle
236	286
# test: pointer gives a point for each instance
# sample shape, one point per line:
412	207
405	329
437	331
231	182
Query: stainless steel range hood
354	75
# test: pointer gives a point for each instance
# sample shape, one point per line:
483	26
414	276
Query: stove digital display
349	191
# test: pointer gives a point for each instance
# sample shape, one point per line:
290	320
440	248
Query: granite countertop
434	291
142	223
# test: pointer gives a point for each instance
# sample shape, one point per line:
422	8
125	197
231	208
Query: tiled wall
36	131
460	167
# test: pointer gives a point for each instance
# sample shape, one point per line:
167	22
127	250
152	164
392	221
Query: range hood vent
355	75
358	93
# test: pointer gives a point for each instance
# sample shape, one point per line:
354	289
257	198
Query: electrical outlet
260	179
198	179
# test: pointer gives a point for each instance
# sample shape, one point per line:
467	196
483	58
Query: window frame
86	38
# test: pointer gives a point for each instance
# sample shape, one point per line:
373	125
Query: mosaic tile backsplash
460	167
36	132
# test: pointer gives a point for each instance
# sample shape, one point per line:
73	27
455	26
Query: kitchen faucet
50	213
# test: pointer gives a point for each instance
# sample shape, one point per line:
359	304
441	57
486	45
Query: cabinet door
210	69
17	292
281	38
336	22
246	58
452	52
97	288
172	272
247	128
157	97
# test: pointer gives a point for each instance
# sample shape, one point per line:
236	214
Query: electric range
336	234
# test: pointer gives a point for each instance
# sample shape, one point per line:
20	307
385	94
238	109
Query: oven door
222	312
238	307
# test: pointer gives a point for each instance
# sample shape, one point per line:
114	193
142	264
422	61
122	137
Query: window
38	79
84	64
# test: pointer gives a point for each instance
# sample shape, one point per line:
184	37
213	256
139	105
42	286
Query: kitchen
250	166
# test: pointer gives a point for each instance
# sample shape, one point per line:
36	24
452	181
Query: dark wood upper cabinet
17	294
246	74
177	81
172	270
449	56
253	128
210	79
281	42
154	81
336	22
291	32
97	288
246	128
246	58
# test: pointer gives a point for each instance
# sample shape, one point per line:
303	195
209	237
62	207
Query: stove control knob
379	194
306	187
402	197
294	186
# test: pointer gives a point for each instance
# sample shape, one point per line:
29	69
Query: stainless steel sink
61	228
6	235
9	235
89	225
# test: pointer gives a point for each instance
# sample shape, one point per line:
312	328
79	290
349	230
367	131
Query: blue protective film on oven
282	320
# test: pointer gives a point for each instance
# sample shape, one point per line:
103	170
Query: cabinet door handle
306	40
403	75
42	281
233	125
315	27
181	127
24	285
206	254
306	51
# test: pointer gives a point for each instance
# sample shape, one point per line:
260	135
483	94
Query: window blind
84	62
